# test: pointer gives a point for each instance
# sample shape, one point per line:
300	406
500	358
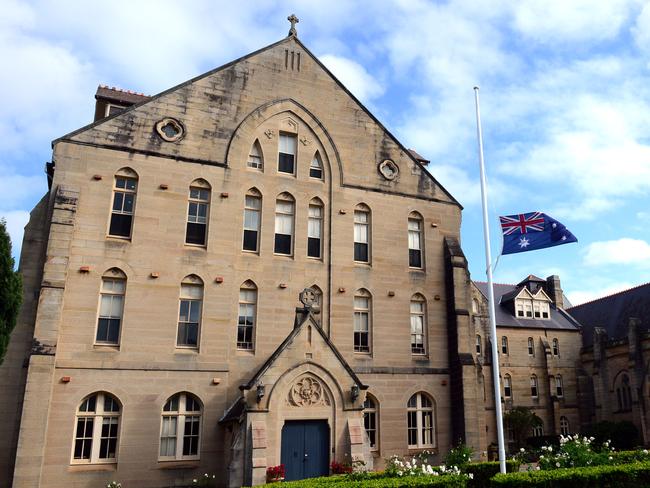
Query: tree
521	420
10	290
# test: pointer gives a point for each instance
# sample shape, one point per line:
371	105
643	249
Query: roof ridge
502	284
610	295
122	90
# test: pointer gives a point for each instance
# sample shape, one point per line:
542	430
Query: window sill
246	352
75	468
416	449
290	256
189	245
250	253
178	464
416	270
363	264
118	238
106	347
420	357
186	350
313	258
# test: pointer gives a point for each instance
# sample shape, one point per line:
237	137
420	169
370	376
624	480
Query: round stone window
388	169
170	130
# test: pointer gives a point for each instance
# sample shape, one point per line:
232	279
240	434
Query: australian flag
531	231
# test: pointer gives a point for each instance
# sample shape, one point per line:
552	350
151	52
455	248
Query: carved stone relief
269	133
307	391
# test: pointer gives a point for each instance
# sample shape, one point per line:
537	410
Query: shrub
543	440
623	435
340	468
459	456
635	475
482	472
448	481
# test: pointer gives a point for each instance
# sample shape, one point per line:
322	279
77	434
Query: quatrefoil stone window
169	129
388	169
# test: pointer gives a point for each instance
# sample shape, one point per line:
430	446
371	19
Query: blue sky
565	101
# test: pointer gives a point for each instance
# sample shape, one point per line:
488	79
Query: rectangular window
123	207
108	440
520	308
197	216
361	236
507	387
528	309
168	436
545	310
531	347
283	227
111	308
189	316
417	328
361	324
252	212
533	386
559	390
504	345
478	344
315	168
83	438
191	435
537	312
314	231
287	153
415	243
246	322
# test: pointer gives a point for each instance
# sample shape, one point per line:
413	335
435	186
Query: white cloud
619	251
582	296
354	76
641	29
557	21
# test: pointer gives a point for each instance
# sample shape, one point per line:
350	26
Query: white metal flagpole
488	263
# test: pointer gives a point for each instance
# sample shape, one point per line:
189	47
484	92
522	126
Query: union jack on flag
533	221
532	230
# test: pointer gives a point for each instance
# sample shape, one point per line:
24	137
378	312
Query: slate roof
126	97
613	313
559	319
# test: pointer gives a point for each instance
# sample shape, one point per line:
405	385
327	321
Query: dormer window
528	306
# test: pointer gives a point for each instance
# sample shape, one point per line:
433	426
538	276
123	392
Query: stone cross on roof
294	20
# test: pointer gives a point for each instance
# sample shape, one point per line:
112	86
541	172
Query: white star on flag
523	243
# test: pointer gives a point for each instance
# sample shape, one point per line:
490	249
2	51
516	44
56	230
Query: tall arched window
316	167
556	347
507	386
252	220
504	345
421	421
559	388
315	229
111	307
97	429
623	392
362	233
418	324
479	344
180	429
189	313
198	211
371	421
124	192
531	347
416	240
362	321
255	158
287	153
564	426
247	314
533	386
284	217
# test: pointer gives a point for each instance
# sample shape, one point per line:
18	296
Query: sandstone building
248	269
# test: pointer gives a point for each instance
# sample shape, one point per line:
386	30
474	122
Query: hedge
482	472
446	481
635	475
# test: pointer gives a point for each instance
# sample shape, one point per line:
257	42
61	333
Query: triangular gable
222	98
542	294
297	330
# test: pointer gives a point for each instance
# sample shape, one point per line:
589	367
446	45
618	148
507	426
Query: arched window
479	344
124	192
362	321
371	421
556	347
189	313
180	430
559	389
476	308
418	324
198	213
252	220
111	307
284	216
538	431
362	233
564	426
315	229
97	429
416	241
623	392
421	421
531	347
533	386
504	345
247	314
287	153
507	386
255	158
316	167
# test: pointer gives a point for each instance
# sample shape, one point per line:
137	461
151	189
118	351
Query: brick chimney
554	290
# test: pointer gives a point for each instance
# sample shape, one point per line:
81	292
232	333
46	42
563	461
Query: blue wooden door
305	449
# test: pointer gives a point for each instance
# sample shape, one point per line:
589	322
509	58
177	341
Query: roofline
610	295
254	53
